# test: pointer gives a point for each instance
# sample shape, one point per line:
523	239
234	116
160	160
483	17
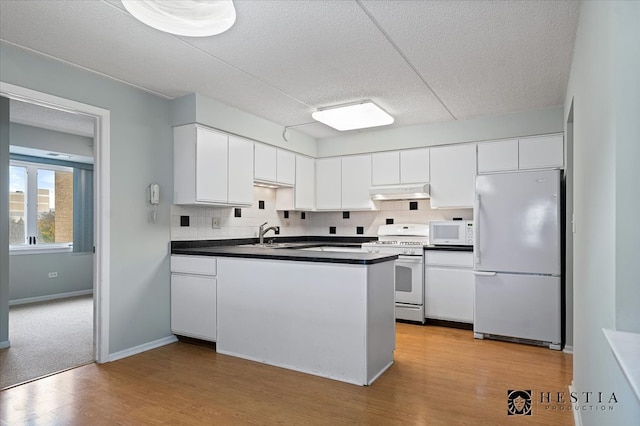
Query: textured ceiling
422	61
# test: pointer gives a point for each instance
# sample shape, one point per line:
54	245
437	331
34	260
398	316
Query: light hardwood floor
441	376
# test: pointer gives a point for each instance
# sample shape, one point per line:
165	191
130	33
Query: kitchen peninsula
323	313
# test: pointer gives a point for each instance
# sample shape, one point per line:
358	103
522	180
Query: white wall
604	89
4	218
141	153
477	129
197	108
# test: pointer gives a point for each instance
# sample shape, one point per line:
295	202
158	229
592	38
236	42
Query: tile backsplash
355	223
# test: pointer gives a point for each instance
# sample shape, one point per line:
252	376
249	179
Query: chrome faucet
264	230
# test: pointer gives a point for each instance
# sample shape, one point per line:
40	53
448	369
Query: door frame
102	132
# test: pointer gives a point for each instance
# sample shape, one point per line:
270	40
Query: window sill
42	249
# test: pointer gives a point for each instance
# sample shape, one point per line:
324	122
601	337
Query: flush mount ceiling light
192	18
353	116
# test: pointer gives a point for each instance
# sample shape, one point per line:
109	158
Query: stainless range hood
400	192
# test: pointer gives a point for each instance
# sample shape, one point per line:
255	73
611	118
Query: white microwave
451	232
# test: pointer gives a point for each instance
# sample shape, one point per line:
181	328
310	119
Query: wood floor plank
441	376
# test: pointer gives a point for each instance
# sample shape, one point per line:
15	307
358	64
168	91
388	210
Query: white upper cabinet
201	168
305	189
497	156
399	167
285	167
328	184
356	181
385	168
536	152
240	171
265	162
541	152
453	171
414	166
303	195
275	165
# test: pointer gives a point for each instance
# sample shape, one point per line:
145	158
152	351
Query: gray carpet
47	337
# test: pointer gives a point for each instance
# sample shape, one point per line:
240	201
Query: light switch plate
215	223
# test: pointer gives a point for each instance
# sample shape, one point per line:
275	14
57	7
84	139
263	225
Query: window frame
31	186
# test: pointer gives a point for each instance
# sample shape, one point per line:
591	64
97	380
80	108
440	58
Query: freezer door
517	221
522	306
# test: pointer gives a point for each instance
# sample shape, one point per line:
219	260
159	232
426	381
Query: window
41	205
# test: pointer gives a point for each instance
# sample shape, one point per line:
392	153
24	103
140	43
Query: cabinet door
285	167
211	166
265	163
356	181
414	166
385	168
449	294
542	152
193	306
240	171
328	184
498	156
305	191
453	170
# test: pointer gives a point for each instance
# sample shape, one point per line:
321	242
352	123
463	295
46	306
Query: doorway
51	242
100	253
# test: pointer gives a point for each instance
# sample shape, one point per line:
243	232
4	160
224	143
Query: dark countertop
310	240
291	252
449	248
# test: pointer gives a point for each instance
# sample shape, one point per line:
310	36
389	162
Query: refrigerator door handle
484	274
476	229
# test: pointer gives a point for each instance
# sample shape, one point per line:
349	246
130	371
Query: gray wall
141	153
604	89
29	274
50	140
4	222
477	129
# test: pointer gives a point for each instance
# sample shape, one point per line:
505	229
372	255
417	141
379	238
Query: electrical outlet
53	275
215	223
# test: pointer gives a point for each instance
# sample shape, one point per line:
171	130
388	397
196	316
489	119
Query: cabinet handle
484	274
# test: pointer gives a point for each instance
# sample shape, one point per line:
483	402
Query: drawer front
199	265
462	259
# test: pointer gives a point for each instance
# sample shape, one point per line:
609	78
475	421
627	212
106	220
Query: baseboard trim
5	344
142	348
50	297
568	349
577	420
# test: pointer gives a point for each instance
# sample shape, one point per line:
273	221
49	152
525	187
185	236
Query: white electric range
407	241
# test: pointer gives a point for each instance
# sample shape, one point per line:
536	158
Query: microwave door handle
476	229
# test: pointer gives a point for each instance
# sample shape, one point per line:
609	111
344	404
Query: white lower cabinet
194	297
449	285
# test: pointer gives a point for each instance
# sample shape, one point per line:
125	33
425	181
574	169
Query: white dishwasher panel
449	294
193	306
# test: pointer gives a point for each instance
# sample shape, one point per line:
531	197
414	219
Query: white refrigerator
517	256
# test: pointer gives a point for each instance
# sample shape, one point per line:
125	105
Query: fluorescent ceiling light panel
192	18
353	116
